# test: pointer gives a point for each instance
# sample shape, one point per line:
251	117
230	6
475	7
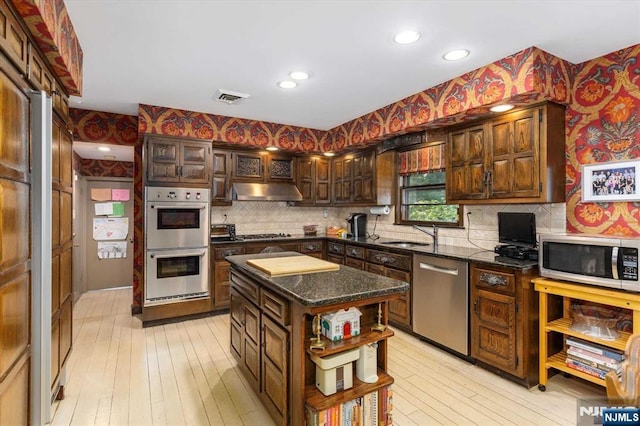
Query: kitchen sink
405	244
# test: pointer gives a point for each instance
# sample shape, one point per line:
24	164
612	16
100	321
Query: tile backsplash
480	227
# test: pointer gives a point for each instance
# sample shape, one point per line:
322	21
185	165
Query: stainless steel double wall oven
176	244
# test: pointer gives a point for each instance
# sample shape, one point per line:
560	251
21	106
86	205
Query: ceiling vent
229	97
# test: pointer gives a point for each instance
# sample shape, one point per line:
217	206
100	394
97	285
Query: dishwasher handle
434	268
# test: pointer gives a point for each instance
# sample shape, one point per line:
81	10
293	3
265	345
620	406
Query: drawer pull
429	267
384	259
493	280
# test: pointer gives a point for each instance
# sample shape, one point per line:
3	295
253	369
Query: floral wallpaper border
50	25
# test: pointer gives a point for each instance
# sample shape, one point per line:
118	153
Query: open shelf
333	347
317	401
557	361
563	325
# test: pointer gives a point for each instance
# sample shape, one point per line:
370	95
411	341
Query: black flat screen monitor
517	229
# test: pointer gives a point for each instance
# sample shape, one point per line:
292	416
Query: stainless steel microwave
607	262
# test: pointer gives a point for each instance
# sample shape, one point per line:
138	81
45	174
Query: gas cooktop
262	236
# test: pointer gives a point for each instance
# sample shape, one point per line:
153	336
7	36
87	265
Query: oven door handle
181	254
179	206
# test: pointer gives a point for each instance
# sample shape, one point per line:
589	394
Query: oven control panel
176	194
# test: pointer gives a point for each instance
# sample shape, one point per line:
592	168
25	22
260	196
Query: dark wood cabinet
287	386
275	365
221	178
61	248
314	180
504	321
396	266
280	168
260	342
173	161
385	263
39	75
248	166
253	166
466	170
13	40
220	274
363	178
513	158
342	181
245	337
354	256
335	252
220	267
312	248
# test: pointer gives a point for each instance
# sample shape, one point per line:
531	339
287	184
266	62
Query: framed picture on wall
612	181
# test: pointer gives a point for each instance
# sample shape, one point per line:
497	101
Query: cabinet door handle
475	306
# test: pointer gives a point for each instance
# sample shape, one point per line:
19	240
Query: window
424	199
422	188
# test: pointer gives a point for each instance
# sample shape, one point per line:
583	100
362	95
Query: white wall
253	217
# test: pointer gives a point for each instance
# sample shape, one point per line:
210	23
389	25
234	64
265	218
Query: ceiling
90	151
178	53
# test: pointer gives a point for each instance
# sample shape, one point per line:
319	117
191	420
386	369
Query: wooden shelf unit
568	291
317	401
334	347
314	399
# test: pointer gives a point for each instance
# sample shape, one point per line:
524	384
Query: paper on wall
101	194
103	209
120	194
112	250
115	228
118	209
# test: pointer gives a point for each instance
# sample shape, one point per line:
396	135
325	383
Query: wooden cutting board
292	265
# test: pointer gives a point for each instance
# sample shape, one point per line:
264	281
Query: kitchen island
272	326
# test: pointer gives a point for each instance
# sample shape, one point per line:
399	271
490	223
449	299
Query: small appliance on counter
223	232
357	225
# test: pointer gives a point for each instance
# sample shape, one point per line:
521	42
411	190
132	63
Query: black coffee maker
357	225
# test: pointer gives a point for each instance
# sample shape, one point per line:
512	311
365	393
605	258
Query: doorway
91	271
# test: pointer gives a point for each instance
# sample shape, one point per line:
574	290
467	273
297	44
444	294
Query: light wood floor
120	373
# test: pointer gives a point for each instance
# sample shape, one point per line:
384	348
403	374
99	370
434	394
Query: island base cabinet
275	362
286	383
245	334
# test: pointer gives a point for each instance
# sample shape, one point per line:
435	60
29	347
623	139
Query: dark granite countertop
321	288
447	251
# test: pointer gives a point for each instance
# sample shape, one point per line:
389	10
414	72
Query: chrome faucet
433	234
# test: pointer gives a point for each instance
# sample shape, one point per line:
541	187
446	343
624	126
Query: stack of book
372	409
592	359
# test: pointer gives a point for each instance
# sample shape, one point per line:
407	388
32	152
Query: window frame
401	197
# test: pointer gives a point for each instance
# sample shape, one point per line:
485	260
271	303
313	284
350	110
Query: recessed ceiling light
329	154
454	55
287	84
104	148
272	148
501	108
299	75
406	37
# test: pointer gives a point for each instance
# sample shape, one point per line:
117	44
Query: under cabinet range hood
266	192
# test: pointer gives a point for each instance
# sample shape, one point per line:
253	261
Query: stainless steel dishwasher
441	301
